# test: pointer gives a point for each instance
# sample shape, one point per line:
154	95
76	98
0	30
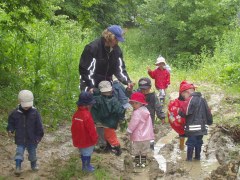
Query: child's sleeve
39	128
11	123
152	74
158	108
168	78
133	123
208	113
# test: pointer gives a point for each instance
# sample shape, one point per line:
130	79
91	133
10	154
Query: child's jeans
86	151
31	148
194	141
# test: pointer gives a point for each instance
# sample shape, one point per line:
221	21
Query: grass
73	169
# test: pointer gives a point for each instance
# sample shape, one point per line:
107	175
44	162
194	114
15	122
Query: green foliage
173	27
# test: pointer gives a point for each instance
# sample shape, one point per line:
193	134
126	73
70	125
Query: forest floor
220	153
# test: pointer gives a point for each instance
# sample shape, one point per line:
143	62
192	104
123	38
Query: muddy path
220	155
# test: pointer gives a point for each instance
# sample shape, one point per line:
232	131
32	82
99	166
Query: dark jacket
27	126
119	92
97	63
108	111
154	106
198	115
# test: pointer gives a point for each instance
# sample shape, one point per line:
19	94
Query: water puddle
194	169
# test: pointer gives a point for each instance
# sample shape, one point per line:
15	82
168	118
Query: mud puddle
172	160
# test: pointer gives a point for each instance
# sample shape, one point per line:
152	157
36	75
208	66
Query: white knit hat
105	86
25	98
160	59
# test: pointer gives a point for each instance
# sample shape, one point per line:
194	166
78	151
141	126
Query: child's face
145	91
135	105
161	65
186	94
26	108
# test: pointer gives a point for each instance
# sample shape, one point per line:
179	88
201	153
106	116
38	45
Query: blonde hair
108	36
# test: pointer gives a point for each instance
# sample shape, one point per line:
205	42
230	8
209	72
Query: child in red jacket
161	76
84	135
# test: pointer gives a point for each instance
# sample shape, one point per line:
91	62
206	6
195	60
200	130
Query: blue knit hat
117	31
85	98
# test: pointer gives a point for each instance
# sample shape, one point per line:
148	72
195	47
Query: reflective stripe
19	111
91	68
85	89
194	129
120	67
194	126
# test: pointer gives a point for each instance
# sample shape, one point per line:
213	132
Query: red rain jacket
176	121
162	78
83	129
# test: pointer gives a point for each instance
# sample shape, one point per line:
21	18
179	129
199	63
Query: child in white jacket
140	129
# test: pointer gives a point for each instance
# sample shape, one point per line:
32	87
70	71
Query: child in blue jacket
25	124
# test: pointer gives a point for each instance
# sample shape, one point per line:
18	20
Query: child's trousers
111	137
31	148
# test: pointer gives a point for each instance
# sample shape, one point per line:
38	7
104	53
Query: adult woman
101	59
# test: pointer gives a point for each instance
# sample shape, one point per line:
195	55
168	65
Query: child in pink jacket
140	129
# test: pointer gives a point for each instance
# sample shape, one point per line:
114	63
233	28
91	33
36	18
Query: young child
26	123
140	128
198	117
161	77
108	112
153	104
84	135
177	122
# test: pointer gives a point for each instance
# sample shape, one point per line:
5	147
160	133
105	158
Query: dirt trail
220	156
54	146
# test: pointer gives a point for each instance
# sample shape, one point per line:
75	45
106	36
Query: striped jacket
98	63
197	114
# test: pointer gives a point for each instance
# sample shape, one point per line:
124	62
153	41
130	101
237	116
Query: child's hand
148	68
163	121
10	134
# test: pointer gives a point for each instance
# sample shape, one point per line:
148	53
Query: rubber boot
181	144
86	164
34	166
189	153
143	161
108	148
18	167
152	146
117	150
137	161
197	152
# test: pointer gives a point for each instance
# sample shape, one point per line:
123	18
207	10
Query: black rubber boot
143	161
108	148
34	166
137	161
189	153
117	150
197	152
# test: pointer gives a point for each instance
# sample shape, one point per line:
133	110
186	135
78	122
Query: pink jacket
140	126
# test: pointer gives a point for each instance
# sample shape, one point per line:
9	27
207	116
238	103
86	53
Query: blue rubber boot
86	166
18	167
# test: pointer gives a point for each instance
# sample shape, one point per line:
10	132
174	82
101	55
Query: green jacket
107	110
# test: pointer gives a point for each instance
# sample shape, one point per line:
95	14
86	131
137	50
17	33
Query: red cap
185	86
138	97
